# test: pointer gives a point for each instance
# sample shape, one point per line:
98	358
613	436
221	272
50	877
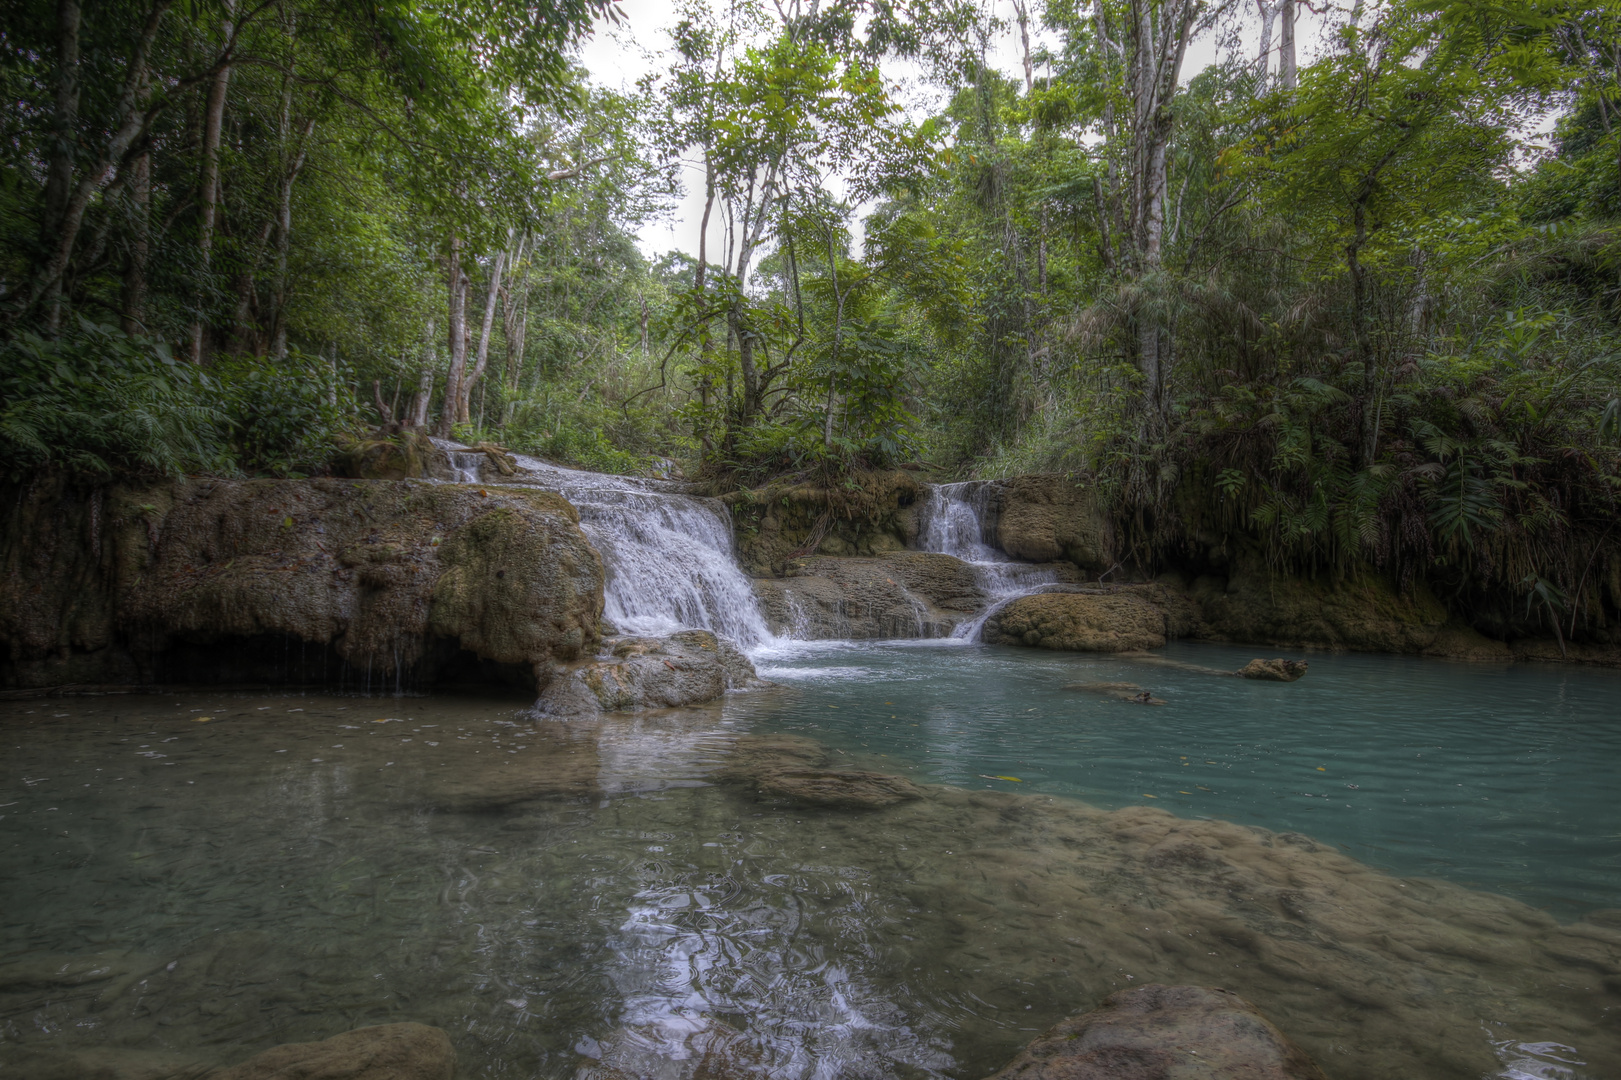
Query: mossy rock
409	455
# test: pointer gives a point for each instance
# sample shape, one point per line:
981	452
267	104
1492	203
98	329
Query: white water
955	520
668	555
465	464
670	565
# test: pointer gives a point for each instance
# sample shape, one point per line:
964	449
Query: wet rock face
1046	517
1126	619
908	594
1272	670
160	583
386	1052
1159	1032
686	668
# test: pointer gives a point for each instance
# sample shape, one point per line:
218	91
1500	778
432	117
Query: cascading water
953	521
465	463
668	555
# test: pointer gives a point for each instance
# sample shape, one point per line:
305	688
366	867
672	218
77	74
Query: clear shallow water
1498	777
611	900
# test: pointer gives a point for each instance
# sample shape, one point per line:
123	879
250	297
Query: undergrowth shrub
100	402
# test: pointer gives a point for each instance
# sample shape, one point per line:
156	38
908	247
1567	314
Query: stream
1413	867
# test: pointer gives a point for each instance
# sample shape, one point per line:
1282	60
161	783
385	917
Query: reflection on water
613	900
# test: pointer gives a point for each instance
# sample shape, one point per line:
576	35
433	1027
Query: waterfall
465	463
957	519
667	554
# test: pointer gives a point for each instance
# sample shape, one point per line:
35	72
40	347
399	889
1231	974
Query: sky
617	56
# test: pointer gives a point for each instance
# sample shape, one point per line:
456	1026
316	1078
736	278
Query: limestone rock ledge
1157	1032
908	594
1127	618
290	581
685	668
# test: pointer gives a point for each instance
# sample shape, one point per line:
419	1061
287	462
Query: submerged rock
685	668
1121	691
908	594
1273	670
1124	619
793	767
845	790
385	1052
1159	1032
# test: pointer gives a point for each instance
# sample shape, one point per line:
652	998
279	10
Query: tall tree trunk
482	357
1369	449
284	238
516	324
458	339
208	185
417	416
1288	76
132	317
134	116
64	142
706	382
1021	11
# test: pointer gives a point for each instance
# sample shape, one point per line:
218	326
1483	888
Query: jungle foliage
1349	294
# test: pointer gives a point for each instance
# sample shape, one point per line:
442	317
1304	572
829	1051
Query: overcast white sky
617	57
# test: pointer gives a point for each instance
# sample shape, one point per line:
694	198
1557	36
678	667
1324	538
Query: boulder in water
1157	1032
1272	670
385	1052
1128	619
685	668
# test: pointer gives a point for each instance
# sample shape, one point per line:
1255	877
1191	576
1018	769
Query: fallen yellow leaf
201	719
